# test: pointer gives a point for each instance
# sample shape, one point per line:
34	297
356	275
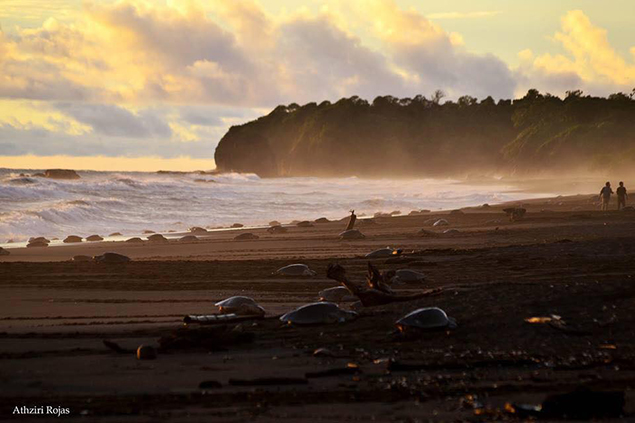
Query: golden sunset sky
148	85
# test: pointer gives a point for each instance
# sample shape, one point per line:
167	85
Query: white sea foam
105	202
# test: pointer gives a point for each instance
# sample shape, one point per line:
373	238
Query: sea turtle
351	234
516	213
245	236
148	231
39	239
384	252
407	276
34	244
111	258
451	232
441	222
426	233
457	212
321	313
296	270
115	234
237	225
4	252
322	220
427	318
304	224
93	238
338	294
72	238
198	230
157	238
244	306
274	223
134	240
188	238
277	230
81	258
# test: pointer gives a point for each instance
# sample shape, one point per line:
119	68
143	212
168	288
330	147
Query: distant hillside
425	137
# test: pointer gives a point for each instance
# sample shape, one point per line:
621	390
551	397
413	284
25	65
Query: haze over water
130	202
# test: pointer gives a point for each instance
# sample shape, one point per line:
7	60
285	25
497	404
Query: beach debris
372	297
4	252
198	230
277	229
156	238
295	270
322	220
210	384
146	352
246	237
378	281
240	306
451	232
71	239
584	404
81	259
94	238
115	234
134	240
384	252
211	338
188	238
268	381
111	258
304	224
441	222
407	276
426	318
351	234
320	313
515	213
274	223
338	294
237	225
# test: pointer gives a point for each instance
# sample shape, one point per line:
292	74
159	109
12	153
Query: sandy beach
565	259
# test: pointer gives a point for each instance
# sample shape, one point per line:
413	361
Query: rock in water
427	318
111	258
245	237
61	174
296	270
351	234
72	238
322	313
244	306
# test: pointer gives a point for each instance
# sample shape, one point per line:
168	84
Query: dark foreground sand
569	260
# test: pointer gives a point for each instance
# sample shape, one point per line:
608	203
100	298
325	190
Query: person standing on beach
621	196
605	196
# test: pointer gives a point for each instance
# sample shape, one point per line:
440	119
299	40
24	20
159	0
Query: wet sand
565	258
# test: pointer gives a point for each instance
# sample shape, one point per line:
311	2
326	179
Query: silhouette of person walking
605	195
621	196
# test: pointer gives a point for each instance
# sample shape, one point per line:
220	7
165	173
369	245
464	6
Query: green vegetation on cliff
426	137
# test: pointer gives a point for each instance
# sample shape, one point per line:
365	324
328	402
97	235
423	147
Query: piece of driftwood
351	221
371	296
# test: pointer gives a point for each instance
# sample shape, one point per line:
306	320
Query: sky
148	85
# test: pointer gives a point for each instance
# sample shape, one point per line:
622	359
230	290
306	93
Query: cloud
589	63
467	15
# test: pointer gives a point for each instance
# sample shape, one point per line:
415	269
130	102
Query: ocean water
130	202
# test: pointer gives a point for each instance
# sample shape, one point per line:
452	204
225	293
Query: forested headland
429	137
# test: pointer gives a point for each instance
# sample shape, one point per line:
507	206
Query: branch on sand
379	293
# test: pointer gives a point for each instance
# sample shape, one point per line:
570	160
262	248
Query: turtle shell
320	313
427	318
240	305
